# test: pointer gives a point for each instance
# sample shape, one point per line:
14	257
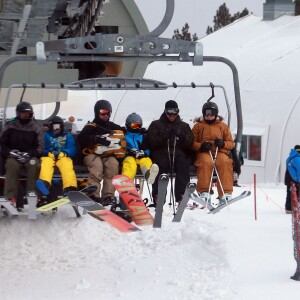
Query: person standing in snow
292	174
170	141
137	152
101	167
59	150
21	145
212	135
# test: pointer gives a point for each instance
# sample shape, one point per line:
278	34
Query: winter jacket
23	137
135	140
210	132
59	143
162	133
86	137
293	165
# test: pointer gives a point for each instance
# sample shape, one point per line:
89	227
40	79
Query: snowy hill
224	256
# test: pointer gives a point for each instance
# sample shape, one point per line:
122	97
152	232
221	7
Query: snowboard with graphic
131	197
98	211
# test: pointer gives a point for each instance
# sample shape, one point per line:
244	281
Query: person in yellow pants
59	150
137	152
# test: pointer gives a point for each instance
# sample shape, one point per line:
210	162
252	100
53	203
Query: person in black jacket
22	144
170	141
100	166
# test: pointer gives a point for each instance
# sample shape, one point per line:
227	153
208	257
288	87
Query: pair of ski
189	194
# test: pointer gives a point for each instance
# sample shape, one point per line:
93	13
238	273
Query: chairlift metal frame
123	47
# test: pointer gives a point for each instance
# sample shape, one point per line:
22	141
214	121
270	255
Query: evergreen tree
223	18
185	34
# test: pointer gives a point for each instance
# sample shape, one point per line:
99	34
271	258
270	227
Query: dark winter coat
162	133
23	137
86	137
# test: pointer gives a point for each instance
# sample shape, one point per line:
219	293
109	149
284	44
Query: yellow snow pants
130	164
65	166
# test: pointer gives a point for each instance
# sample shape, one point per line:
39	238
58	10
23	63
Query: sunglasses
210	112
104	112
135	125
172	112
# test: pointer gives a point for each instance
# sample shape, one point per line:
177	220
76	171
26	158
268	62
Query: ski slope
228	255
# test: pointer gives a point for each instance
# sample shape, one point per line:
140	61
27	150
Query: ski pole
215	168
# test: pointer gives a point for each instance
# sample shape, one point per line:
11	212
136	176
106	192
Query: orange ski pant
224	166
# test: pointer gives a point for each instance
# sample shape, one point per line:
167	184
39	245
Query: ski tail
163	182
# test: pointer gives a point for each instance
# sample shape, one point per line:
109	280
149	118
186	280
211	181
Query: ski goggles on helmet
135	125
210	112
172	111
104	112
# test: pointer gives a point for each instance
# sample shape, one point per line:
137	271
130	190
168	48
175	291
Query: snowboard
296	229
62	201
214	210
131	197
163	182
99	212
190	188
9	208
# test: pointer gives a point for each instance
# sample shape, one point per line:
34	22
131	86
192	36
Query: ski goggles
210	112
56	126
172	111
135	125
104	112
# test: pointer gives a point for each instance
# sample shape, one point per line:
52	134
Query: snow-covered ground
228	255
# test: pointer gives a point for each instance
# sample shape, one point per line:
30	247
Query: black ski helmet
134	118
56	120
210	105
24	107
102	104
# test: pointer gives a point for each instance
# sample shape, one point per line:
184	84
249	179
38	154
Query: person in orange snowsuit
211	134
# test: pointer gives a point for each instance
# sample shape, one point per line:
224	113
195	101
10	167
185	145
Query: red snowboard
127	190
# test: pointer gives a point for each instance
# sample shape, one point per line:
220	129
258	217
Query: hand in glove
180	135
141	154
15	153
102	140
168	133
206	146
133	152
219	143
23	158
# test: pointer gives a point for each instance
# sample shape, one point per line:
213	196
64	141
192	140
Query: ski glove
206	146
219	143
141	154
102	140
23	158
14	153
